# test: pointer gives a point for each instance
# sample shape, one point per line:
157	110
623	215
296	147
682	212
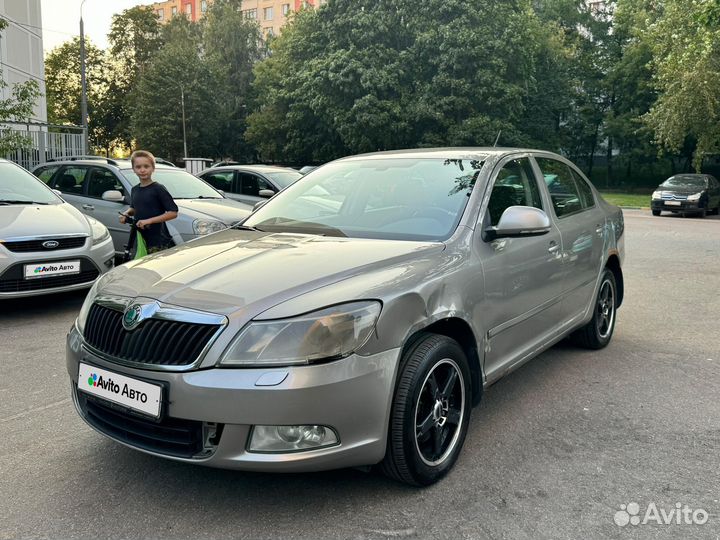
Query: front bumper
220	407
683	206
95	260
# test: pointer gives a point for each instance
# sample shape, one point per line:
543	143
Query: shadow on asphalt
42	305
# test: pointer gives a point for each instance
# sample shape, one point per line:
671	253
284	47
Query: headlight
204	226
87	304
331	333
657	195
695	197
100	232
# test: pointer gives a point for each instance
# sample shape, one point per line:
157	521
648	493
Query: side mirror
221	192
519	221
267	193
57	192
113	195
259	204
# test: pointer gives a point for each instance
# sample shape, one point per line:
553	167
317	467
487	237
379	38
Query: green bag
141	248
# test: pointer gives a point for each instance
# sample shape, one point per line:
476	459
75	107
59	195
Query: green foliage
156	116
684	37
367	75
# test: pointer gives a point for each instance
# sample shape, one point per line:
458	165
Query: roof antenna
497	138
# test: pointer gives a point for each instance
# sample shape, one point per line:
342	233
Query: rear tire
702	213
598	332
430	411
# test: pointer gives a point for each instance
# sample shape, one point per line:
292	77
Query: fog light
278	439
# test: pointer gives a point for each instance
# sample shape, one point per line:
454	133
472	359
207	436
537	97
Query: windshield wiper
12	201
310	227
246	228
206	197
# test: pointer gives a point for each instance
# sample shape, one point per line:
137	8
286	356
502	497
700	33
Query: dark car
687	194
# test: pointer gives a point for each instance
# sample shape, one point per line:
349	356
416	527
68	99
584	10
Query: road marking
36	409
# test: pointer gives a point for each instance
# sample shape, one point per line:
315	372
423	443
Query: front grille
170	436
673	197
27	246
13	280
154	341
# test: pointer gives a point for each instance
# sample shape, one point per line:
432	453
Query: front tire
598	332
656	212
430	411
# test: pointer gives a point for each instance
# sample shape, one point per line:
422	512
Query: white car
46	245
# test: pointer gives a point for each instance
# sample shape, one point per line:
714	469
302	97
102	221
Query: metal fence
45	142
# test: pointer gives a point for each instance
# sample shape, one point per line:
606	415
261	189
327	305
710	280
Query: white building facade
21	49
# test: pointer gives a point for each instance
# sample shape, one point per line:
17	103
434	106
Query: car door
100	180
223	180
70	181
522	276
582	227
249	186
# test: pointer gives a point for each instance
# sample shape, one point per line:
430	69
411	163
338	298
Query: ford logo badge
50	244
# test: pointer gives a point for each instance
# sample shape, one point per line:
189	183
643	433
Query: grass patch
626	199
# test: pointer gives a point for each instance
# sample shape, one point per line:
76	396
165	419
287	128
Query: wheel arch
459	330
613	264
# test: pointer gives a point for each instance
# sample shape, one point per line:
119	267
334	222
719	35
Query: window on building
174	10
268	14
203	6
161	14
251	14
285	9
188	9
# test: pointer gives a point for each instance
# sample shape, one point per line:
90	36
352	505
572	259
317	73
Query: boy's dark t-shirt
150	201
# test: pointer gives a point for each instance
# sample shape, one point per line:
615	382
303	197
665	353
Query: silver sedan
355	318
46	245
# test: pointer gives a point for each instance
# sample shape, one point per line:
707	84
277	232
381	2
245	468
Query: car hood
681	190
41	220
230	270
225	210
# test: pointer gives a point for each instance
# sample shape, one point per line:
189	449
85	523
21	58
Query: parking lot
553	451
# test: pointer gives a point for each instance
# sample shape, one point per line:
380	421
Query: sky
61	19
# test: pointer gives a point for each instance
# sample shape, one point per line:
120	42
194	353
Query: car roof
469	152
259	168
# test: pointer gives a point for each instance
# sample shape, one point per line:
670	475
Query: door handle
88	207
599	229
554	247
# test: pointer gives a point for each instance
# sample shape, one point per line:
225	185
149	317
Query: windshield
17	186
685	180
394	198
285	178
180	184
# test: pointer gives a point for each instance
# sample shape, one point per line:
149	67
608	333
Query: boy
150	203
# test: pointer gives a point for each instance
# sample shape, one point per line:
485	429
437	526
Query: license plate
673	203
136	395
41	270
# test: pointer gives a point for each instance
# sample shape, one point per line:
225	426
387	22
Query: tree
177	69
62	82
134	38
18	107
368	75
684	37
232	46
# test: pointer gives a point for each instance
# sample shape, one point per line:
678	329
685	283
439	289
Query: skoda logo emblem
50	244
132	317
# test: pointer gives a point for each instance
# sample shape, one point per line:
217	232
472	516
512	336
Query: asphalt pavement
574	444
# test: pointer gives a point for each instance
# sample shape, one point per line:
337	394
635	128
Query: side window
220	180
71	179
46	173
249	184
561	185
515	185
586	195
101	180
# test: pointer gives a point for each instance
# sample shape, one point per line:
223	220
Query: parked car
101	188
687	194
316	336
249	184
46	245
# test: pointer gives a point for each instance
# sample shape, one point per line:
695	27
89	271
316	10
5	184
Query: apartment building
21	50
271	15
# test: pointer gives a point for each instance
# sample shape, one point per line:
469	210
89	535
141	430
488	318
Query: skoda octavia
353	319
